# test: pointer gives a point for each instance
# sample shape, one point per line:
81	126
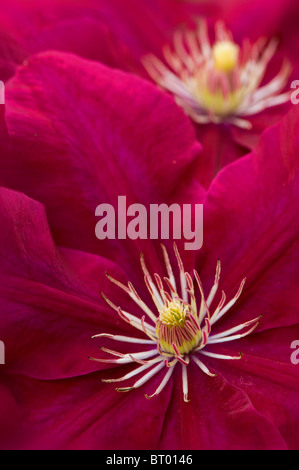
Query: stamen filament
215	286
185	383
124	339
127	358
230	304
235	329
132	374
219	356
134	321
144	379
162	384
202	366
232	338
169	268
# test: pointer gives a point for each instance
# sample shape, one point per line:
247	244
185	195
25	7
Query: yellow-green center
177	330
174	314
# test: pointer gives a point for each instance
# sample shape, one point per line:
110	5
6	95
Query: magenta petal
268	17
94	41
3	128
94	416
112	32
86	148
219	150
251	218
267	365
50	297
220	416
13	431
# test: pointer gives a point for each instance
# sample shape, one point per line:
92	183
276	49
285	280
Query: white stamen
230	304
124	339
163	383
235	329
215	286
155	294
231	338
136	322
185	383
219	356
134	296
133	373
183	280
147	376
202	366
169	268
127	358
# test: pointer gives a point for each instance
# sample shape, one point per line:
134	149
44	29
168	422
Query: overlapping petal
49	295
252	226
99	134
120	35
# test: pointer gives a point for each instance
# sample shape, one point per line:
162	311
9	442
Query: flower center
225	56
177	329
173	314
181	331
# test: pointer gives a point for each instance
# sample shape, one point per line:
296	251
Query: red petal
100	134
251	222
219	416
50	297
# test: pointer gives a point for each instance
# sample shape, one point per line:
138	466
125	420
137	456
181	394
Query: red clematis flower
256	40
73	150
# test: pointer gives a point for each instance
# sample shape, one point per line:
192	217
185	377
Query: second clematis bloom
219	81
112	33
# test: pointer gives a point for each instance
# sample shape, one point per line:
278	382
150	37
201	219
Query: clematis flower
71	150
231	86
220	82
270	44
121	35
181	330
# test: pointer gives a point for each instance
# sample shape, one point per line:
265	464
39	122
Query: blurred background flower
120	34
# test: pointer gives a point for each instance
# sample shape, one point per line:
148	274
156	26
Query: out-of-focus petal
251	226
50	297
85	134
